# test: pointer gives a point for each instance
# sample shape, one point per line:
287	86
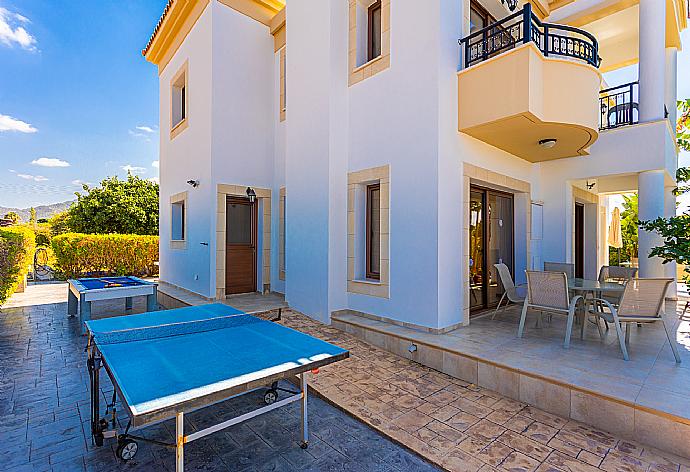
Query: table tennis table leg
179	436
128	303
305	422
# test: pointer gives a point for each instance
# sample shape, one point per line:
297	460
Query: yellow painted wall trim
179	16
262	11
539	9
597	12
278	21
619	65
176	24
278	30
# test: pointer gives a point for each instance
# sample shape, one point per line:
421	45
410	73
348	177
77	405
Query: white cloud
133	169
12	30
155	180
155	164
146	129
50	162
7	123
79	183
36	178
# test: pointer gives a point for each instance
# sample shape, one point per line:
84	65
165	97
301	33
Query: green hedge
17	247
79	254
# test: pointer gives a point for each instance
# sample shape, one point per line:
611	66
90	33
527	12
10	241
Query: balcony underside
520	97
520	136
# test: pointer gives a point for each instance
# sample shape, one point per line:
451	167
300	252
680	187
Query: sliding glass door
491	242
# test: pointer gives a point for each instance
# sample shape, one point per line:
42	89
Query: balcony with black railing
521	28
618	106
525	82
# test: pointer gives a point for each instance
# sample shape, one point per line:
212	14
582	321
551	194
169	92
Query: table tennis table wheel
304	445
127	449
270	396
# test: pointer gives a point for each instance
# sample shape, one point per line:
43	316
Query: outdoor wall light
412	348
547	143
512	4
251	195
193	183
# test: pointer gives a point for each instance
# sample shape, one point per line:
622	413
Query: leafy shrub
17	247
58	223
118	206
43	234
79	254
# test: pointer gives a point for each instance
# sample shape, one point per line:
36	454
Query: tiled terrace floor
44	406
651	380
464	427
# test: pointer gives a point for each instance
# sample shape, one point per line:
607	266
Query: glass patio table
594	286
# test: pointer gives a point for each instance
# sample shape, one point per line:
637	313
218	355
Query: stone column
651	191
652	66
670	92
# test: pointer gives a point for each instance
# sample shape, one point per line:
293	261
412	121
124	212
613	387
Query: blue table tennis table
165	364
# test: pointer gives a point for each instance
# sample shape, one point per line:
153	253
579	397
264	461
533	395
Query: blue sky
78	102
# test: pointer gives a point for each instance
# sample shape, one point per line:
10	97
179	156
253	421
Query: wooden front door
240	249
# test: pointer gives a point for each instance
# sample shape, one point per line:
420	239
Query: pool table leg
128	303
152	302
72	303
84	314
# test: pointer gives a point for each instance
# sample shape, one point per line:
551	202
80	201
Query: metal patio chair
548	292
621	275
642	302
566	267
514	293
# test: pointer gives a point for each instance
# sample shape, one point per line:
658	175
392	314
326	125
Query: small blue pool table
83	291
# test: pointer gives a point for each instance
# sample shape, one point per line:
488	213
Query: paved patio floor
456	425
44	410
464	427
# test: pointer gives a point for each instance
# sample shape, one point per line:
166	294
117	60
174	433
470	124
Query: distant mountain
42	211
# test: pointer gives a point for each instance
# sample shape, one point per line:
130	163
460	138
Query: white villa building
371	160
393	166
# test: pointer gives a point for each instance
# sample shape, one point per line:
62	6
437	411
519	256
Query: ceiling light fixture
547	143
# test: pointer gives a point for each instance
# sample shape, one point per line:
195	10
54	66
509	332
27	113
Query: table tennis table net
174	329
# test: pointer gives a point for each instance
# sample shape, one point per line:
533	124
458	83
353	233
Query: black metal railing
618	106
521	28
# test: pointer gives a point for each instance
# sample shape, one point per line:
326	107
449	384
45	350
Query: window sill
368	281
178	128
178	244
367	64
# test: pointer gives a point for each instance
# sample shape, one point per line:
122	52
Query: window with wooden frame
179	101
373	232
479	17
374	30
